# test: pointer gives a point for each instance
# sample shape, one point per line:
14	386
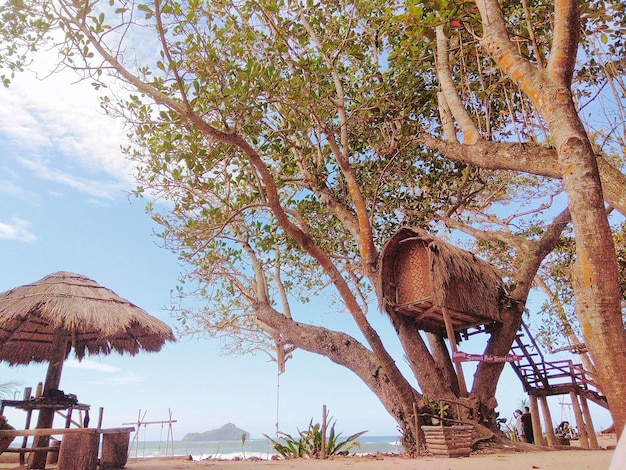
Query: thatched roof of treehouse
94	319
421	275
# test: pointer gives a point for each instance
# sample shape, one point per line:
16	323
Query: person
564	429
519	426
527	424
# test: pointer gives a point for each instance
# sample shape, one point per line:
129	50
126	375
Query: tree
293	139
547	84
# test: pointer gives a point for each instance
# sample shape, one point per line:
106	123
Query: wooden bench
79	446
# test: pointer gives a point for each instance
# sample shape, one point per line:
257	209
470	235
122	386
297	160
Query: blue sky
64	206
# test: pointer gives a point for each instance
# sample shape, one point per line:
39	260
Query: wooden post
536	420
417	429
323	432
29	415
46	415
547	419
452	339
53	457
580	422
100	416
591	432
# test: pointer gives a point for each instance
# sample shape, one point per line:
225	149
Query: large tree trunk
346	351
596	284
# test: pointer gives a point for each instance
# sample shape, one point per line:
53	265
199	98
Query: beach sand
530	458
534	458
552	460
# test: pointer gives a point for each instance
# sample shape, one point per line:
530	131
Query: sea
252	448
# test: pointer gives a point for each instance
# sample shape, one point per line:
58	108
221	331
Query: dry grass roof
421	274
94	319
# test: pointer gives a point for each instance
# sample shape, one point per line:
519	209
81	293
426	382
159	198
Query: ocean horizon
258	448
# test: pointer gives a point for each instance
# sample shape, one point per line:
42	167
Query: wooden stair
540	377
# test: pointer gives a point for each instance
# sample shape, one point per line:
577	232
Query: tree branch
452	99
369	253
527	158
562	58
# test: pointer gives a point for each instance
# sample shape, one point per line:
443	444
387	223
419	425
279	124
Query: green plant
441	408
435	410
309	444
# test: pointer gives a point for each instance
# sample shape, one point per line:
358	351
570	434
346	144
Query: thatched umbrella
45	320
85	316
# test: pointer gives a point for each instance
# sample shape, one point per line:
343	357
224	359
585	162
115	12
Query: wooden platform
430	317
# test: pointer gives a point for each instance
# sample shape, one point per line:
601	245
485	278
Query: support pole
323	432
547	419
452	339
417	429
46	415
582	428
591	432
536	420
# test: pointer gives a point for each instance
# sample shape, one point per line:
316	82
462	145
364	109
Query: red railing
552	377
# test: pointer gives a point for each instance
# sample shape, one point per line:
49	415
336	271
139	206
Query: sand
553	460
534	458
531	458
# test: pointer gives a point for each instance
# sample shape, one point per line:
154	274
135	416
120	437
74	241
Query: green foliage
434	412
309	443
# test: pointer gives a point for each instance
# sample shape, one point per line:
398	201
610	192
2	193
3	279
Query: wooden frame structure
444	289
541	379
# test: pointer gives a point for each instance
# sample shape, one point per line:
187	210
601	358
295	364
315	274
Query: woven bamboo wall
420	275
412	266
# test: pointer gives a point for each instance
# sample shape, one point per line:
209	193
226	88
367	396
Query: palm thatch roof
420	275
94	319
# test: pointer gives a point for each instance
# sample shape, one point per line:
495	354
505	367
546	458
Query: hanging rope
277	398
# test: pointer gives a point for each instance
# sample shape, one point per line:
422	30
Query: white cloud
57	121
121	377
17	229
90	365
93	187
9	188
128	378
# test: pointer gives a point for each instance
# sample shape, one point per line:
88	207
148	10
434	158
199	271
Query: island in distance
228	432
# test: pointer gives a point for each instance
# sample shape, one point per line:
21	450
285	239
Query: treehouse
442	287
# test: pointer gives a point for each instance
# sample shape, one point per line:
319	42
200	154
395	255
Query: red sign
460	356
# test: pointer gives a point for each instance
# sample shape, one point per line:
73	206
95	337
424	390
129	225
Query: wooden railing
552	377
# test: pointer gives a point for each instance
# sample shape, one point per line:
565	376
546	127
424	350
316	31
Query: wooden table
43	403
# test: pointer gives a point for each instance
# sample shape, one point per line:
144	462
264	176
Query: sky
65	206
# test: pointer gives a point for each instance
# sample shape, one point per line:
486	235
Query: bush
309	444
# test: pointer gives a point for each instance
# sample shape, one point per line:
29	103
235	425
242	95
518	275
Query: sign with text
460	356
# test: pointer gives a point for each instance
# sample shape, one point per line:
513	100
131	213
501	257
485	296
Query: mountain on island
228	432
